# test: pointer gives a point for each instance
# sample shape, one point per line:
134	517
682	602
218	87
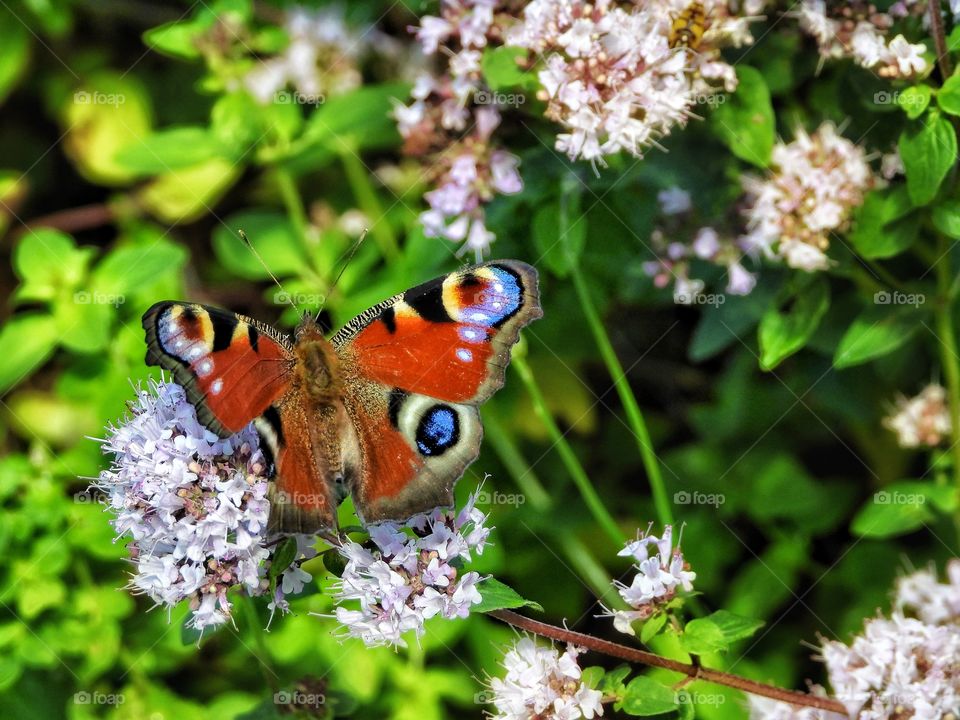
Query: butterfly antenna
346	262
284	295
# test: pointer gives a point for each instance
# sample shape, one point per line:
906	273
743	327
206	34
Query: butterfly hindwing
413	449
415	367
232	368
449	338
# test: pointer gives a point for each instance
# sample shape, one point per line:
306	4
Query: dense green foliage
765	411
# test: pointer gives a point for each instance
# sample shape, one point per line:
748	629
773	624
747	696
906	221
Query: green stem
569	458
293	202
367	199
638	425
577	554
948	354
252	619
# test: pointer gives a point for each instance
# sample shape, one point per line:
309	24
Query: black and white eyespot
433	427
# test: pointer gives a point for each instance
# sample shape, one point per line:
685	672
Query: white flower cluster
661	573
922	420
923	596
858	31
899	667
815	183
904	666
194	506
403	579
450	122
542	683
619	75
674	258
321	59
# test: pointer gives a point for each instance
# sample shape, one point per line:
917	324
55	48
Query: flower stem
692	671
577	554
569	458
949	356
369	203
635	417
263	654
940	40
293	202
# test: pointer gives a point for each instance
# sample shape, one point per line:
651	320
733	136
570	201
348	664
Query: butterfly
385	409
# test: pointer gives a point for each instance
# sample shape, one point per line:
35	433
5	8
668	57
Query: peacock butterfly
385	409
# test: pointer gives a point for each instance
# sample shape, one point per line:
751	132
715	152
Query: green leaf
497	596
948	96
106	114
356	121
236	121
271	234
592	676
501	71
612	683
876	332
701	636
914	100
127	269
10	669
734	627
645	697
47	260
84	321
14	51
946	218
283	558
26	341
189	193
883	225
745	122
560	235
652	627
178	39
169	149
785	331
902	507
928	150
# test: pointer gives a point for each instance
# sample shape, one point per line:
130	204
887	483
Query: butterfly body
386	409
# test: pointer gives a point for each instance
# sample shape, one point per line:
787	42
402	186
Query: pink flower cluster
619	75
450	124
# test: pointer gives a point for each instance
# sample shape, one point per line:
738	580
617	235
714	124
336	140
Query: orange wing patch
231	367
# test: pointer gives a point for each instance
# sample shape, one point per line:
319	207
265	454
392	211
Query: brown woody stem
940	40
692	671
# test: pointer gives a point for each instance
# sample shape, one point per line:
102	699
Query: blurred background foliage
131	157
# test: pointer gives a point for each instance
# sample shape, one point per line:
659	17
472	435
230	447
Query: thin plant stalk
567	455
